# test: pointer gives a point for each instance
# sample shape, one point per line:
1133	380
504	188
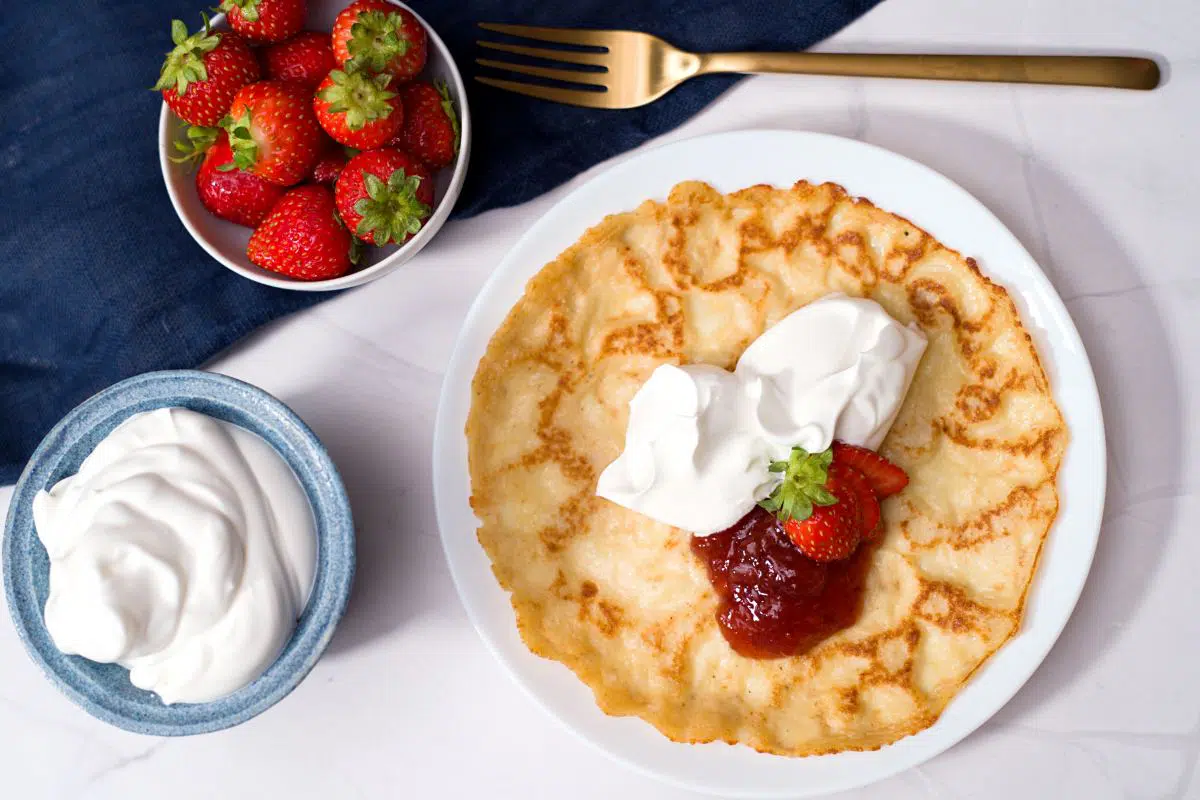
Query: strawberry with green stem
273	132
358	110
431	131
375	36
203	73
384	196
232	194
801	486
817	509
265	20
828	502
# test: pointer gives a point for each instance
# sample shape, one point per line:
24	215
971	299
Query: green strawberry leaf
448	108
360	97
185	63
391	211
803	485
376	38
822	496
241	141
248	8
199	140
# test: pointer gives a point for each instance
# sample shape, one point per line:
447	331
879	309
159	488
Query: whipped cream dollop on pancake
700	439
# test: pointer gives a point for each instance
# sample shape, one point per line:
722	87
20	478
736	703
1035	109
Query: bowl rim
333	576
389	263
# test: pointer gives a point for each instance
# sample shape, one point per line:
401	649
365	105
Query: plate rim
1085	394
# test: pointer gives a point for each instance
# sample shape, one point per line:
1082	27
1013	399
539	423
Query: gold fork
625	69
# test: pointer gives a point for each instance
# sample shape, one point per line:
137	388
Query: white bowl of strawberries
312	144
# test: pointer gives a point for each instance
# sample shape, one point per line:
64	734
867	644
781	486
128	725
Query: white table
1102	189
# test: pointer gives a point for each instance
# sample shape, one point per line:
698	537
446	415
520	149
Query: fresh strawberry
885	477
330	165
306	58
266	20
816	504
830	533
303	238
203	73
430	129
357	109
384	196
231	194
864	497
273	132
376	36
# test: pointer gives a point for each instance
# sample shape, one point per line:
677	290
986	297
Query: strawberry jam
774	600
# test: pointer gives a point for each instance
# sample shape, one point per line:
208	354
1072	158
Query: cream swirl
184	549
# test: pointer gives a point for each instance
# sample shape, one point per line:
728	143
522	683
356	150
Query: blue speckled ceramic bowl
104	690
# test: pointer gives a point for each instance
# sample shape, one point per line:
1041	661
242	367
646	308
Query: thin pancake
623	602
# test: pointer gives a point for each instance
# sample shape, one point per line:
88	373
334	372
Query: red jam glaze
774	600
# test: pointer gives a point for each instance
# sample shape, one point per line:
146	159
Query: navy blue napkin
101	281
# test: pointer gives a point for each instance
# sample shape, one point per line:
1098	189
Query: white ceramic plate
732	161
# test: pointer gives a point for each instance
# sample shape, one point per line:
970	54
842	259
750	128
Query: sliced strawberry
885	477
864	495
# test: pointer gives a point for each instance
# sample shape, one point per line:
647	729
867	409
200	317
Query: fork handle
1121	72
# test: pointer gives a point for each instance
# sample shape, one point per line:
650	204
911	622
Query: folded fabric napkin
101	281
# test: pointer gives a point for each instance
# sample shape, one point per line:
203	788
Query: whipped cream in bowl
184	550
178	553
700	439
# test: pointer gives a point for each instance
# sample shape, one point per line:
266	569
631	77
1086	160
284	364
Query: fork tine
571	97
560	35
565	75
569	56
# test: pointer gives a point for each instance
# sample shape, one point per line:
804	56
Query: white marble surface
1100	186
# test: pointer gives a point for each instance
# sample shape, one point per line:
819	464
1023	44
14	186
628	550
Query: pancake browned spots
619	600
